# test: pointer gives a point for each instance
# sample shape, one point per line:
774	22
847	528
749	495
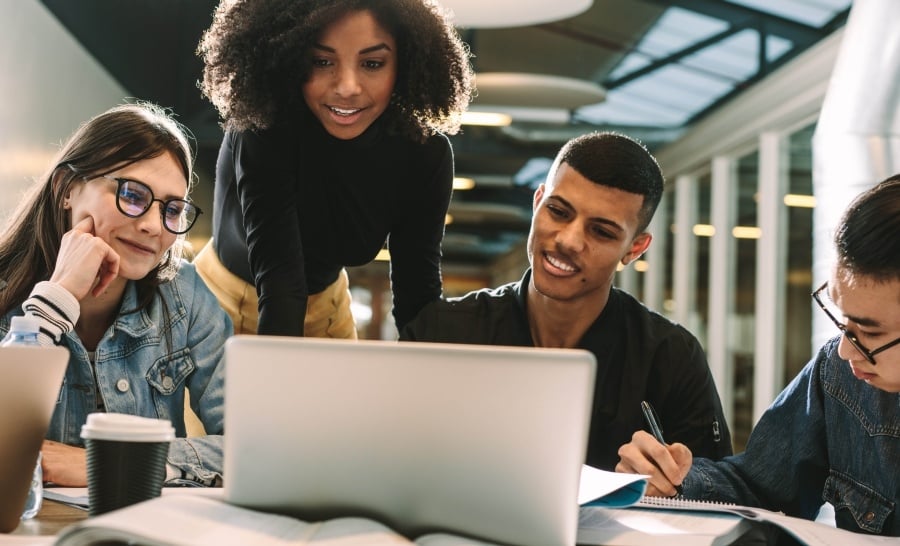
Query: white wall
48	85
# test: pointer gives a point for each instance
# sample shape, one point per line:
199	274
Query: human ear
639	245
538	194
58	185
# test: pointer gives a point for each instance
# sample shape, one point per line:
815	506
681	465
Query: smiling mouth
139	247
345	112
559	264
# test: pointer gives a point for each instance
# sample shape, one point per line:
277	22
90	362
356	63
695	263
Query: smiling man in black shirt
590	215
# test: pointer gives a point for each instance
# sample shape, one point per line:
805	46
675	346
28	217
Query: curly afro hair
257	56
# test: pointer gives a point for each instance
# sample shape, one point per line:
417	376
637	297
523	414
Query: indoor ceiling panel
663	63
586	46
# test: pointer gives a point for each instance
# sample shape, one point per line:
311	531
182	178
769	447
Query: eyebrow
163	197
862	321
363	51
598	219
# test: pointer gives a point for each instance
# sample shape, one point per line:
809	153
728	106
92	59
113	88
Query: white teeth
342	111
556	263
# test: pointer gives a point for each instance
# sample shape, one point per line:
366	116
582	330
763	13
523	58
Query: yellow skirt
327	313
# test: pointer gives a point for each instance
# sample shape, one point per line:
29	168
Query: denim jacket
827	437
140	374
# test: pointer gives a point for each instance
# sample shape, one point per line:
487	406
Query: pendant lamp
511	13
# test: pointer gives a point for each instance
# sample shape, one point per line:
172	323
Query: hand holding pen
656	429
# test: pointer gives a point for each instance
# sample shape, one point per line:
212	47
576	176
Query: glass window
700	309
743	318
799	259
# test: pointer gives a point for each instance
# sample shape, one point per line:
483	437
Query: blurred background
726	93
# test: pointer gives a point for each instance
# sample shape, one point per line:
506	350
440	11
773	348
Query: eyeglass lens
835	312
135	198
824	300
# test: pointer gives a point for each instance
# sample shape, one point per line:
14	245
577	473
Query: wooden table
51	519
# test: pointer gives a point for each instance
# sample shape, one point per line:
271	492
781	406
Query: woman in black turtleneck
335	114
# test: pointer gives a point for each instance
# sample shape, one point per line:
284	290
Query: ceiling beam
673	57
795	31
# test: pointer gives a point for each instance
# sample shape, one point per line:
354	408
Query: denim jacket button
167	382
122	385
869	517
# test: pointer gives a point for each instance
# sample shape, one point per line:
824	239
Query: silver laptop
30	378
472	440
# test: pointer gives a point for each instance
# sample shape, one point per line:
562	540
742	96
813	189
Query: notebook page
629	527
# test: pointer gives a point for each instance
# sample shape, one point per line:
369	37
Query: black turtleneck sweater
293	206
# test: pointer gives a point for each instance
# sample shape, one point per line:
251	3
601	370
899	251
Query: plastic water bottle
23	331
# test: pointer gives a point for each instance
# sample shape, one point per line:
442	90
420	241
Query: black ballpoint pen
650	416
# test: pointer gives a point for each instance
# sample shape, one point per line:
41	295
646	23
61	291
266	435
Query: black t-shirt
640	355
294	205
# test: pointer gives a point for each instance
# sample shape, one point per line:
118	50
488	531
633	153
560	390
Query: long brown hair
123	135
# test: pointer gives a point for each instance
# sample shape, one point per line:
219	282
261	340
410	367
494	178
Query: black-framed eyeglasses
134	199
851	337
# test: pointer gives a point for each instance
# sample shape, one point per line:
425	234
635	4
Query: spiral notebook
680	503
702	523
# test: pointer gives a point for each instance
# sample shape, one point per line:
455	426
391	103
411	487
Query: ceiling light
384	255
802	201
461	183
746	232
497	115
704	230
486	119
536	90
511	13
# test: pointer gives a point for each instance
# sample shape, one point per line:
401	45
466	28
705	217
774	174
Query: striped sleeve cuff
56	308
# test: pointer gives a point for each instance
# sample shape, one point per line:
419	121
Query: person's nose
152	221
848	351
570	237
347	82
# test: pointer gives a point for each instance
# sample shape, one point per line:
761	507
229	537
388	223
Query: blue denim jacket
139	374
827	437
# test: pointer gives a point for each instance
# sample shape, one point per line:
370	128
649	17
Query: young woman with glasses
94	251
335	114
833	434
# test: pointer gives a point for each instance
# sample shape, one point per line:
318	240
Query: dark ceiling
148	47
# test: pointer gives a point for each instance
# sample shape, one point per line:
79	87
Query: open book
202	521
698	523
189	519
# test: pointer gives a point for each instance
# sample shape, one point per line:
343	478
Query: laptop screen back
30	378
486	441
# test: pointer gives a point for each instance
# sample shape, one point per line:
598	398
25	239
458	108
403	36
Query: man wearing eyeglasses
833	435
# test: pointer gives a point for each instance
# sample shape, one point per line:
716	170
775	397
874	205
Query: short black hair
866	239
618	161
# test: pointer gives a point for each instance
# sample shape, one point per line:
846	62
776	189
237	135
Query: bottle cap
26	323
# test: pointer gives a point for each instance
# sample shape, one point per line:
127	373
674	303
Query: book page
175	520
612	489
819	534
25	540
78	496
444	539
807	532
630	527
